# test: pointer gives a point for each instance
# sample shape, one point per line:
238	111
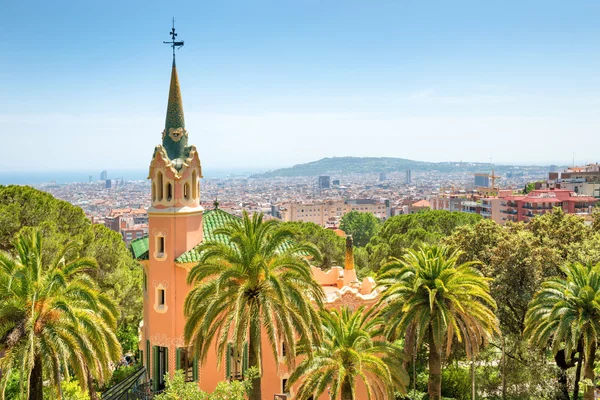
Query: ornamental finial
174	44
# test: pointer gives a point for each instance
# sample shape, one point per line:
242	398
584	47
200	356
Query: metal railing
144	392
124	389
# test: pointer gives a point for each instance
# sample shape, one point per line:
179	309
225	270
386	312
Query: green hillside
349	165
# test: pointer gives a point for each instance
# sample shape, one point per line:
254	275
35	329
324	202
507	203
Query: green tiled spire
175	138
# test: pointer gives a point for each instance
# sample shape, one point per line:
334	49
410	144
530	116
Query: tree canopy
402	232
361	225
118	274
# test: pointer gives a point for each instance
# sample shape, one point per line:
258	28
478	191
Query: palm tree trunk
588	373
253	358
36	380
90	384
577	377
434	385
347	392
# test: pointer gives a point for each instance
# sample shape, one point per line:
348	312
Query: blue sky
274	83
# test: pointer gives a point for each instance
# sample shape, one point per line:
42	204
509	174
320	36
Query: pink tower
175	227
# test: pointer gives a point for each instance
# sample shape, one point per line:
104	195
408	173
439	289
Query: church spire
175	136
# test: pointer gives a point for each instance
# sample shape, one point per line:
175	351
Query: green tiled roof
139	248
211	221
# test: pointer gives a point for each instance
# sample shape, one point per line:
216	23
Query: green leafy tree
519	257
409	231
529	187
565	314
431	297
330	245
353	349
53	319
361	225
118	275
254	280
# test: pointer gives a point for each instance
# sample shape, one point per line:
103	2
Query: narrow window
186	191
284	388
169	192
159	185
161	297
153	191
161	245
194	185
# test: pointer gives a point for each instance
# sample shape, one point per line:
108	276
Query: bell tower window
194	185
159	185
153	191
169	192
186	191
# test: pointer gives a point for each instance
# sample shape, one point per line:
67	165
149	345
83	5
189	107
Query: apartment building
581	180
538	202
327	212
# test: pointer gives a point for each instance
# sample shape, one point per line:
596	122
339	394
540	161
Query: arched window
159	185
153	191
169	192
194	185
186	191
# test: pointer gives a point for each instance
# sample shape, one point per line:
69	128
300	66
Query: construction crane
492	177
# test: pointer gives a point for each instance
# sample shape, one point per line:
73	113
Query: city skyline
270	85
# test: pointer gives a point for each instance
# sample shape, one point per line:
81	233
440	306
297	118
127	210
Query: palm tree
252	280
353	349
430	297
53	319
565	313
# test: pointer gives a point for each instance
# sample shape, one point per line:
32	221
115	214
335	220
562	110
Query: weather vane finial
173	43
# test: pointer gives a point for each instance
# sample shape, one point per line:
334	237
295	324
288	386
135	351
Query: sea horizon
82	176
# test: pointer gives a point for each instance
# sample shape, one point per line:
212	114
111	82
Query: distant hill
350	165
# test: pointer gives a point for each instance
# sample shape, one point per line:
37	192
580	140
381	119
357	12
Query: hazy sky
274	83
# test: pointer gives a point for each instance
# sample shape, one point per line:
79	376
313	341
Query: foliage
361	225
565	313
529	187
519	257
331	246
402	232
352	349
255	281
71	390
431	297
178	389
53	317
128	337
118	275
121	373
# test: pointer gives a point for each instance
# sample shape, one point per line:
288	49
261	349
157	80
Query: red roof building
537	202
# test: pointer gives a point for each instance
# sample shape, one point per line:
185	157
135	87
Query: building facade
538	202
328	212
